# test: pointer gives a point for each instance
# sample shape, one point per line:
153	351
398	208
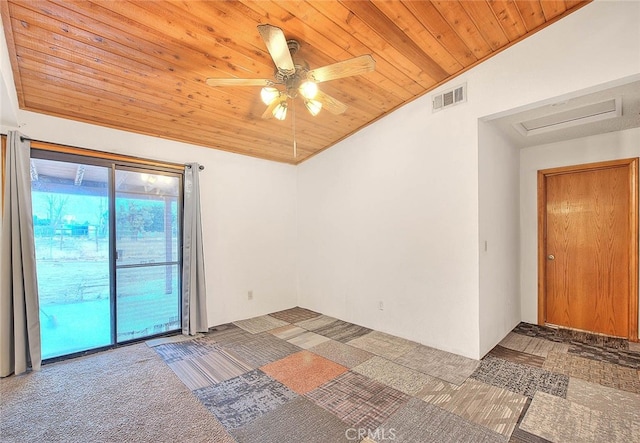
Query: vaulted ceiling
141	66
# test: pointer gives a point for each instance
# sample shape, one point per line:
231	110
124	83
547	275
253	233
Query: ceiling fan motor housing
292	81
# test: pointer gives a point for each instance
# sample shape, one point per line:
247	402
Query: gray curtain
19	307
194	291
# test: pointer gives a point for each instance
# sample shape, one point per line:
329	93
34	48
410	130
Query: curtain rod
24	138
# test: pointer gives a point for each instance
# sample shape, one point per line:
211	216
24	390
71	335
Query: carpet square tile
238	401
294	315
391	374
622	357
517	356
444	365
420	422
615	402
358	400
384	345
287	332
340	353
171	339
308	340
303	371
603	373
570	336
588	338
171	352
263	348
520	436
532	345
263	323
296	421
576	423
521	379
228	335
489	406
205	370
437	391
342	331
315	323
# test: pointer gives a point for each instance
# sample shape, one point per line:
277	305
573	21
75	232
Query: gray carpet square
420	422
522	379
263	323
384	345
238	401
171	339
308	339
576	423
391	374
228	334
316	323
262	349
532	345
287	332
443	365
357	400
296	421
178	351
216	366
494	408
520	436
621	404
295	315
340	353
342	331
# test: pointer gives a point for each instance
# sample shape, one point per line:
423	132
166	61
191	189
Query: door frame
113	162
632	168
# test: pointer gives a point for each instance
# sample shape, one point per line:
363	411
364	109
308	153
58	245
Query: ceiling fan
293	78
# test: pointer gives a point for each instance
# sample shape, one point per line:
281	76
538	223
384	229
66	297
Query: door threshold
583	331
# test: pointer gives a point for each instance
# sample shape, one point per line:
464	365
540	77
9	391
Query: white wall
248	214
392	213
611	146
499	234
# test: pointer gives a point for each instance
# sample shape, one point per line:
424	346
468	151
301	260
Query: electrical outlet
250	295
381	305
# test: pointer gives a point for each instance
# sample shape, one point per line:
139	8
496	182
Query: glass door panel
147	237
71	228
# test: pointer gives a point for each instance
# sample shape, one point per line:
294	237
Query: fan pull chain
295	144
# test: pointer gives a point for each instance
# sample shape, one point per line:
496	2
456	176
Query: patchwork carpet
573	422
299	376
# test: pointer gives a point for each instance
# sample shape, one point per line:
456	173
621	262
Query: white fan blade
331	104
268	113
277	46
346	68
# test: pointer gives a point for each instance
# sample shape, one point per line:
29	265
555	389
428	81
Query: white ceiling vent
450	98
593	112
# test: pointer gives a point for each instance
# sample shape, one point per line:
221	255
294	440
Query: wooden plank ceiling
141	66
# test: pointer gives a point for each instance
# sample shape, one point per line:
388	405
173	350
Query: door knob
551	257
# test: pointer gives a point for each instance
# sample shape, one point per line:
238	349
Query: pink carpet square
303	371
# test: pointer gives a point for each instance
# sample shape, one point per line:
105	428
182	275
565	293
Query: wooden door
588	253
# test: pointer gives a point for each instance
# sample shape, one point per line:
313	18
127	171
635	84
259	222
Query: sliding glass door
148	296
71	228
107	252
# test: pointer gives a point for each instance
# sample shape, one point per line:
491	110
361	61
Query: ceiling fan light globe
313	106
280	111
308	89
268	94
